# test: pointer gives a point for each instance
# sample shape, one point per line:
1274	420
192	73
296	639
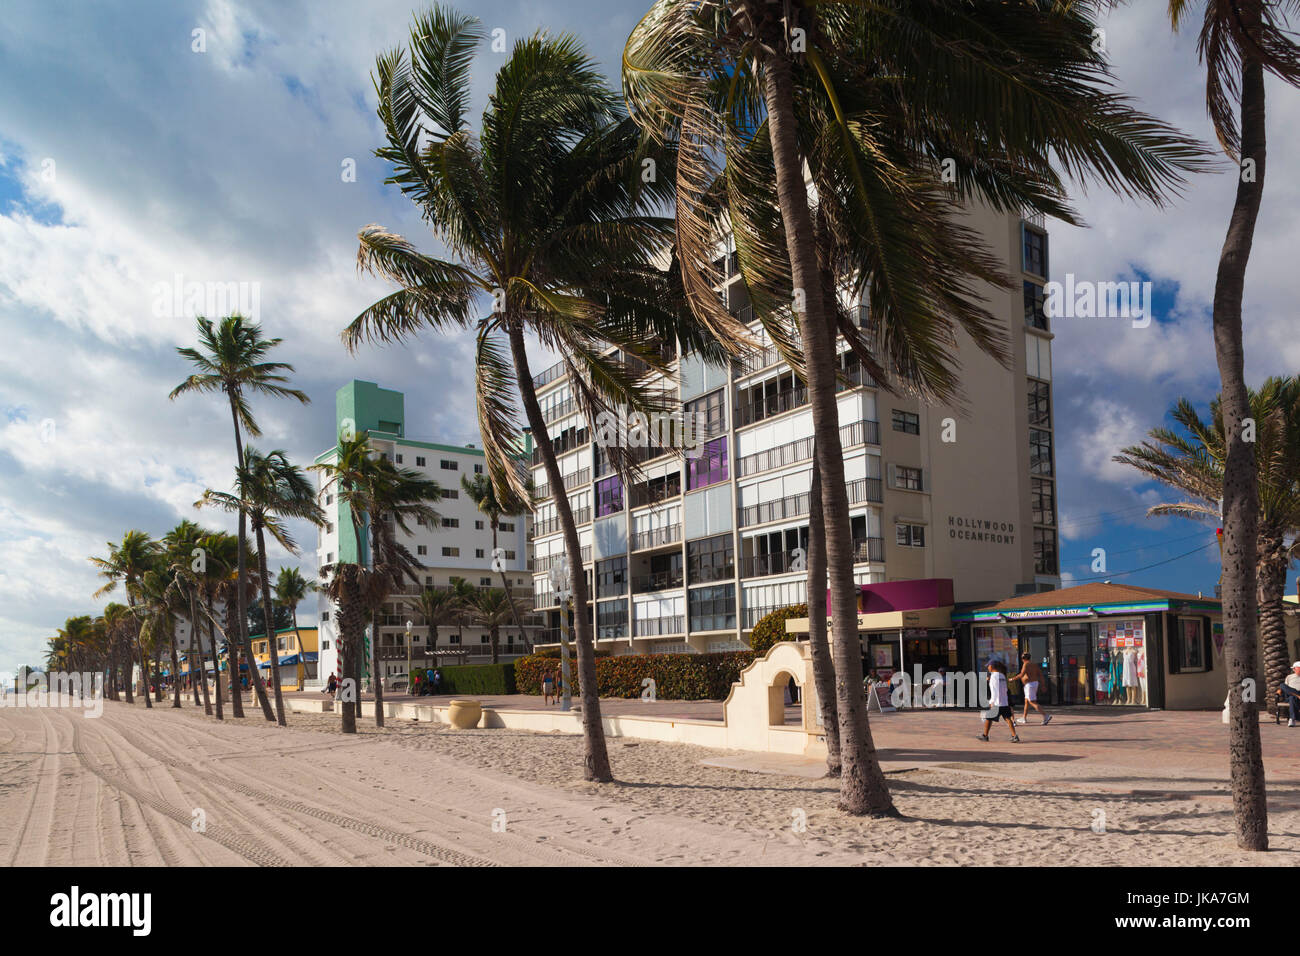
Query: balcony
553	413
752	615
762	565
659	626
551	525
656	537
865	489
574	479
653	492
868	549
656	581
859	433
791	507
548	376
766	407
545	564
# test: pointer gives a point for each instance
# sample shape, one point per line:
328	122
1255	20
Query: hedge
676	676
771	627
475	678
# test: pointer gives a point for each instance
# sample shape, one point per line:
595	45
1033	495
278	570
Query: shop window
1120	663
1191	652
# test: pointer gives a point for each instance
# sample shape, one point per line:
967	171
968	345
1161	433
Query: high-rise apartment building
690	556
459	547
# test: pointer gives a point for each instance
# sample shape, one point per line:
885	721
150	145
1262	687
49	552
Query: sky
131	160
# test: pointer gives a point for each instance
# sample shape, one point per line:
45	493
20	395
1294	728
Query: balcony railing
659	626
766	407
761	565
700	575
865	489
553	413
656	537
545	564
868	549
548	376
643	495
552	525
859	433
791	507
752	615
658	581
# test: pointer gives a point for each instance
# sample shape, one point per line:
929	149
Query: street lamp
408	657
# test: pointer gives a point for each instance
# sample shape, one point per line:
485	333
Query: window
909	535
448	465
329	528
478	469
324	645
1035	316
1192	651
478	552
909	479
422	550
451	552
485	582
710	467
428	582
908	422
279	643
506	526
483	639
419	461
609	496
510	555
324	615
1040	403
478	525
708	415
329	558
399	459
611	577
1035	252
329	499
711	559
713	608
1040	452
449	492
1045	551
451	522
611	619
1042	497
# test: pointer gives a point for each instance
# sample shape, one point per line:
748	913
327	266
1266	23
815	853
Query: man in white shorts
1030	676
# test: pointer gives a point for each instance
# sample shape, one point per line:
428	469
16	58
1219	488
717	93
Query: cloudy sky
128	159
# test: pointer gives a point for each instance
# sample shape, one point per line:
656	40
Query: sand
133	787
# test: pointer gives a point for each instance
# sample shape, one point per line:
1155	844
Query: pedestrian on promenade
999	703
332	685
548	686
1291	691
1031	676
437	681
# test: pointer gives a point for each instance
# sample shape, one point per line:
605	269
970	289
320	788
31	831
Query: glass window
1040	403
710	467
1040	452
1045	561
711	559
1035	317
451	522
448	465
708	415
908	422
1191	650
611	619
611	577
609	496
910	535
450	552
908	479
713	608
419	461
1042	493
1035	252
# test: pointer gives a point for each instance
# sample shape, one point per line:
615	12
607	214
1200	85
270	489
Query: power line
1120	574
1162	544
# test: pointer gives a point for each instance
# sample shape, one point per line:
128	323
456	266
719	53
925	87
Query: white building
692	555
461	547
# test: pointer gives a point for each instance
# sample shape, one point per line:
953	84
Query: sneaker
1015	739
983	736
1290	723
1047	719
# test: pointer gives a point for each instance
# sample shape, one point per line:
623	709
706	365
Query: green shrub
475	678
676	676
771	628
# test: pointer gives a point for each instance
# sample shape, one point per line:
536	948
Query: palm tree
1193	462
547	213
378	495
462	593
291	589
482	492
231	359
271	489
868	100
219	567
115	620
1238	42
187	568
177	545
127	563
438	606
493	608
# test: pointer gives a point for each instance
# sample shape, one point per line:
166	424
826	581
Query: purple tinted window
609	496
710	467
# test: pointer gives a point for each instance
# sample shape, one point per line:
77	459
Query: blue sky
127	158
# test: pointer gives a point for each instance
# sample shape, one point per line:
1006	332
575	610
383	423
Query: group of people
551	687
1030	676
428	683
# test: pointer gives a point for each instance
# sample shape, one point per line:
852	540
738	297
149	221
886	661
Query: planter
464	714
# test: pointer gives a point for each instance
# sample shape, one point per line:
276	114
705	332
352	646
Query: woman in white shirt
999	702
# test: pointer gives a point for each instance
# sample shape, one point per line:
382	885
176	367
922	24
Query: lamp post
408	658
559	577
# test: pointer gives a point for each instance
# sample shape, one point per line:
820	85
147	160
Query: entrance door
1073	659
1033	640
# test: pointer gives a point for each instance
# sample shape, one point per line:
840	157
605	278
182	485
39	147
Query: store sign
1047	612
915	633
967	528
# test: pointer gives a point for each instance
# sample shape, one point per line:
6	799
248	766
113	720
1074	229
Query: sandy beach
168	787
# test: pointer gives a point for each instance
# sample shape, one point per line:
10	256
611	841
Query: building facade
698	549
459	547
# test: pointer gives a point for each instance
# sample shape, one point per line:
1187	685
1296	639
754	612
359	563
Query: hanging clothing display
1120	662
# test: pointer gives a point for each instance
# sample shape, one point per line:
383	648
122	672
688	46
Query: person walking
1031	677
548	687
332	685
1290	689
999	703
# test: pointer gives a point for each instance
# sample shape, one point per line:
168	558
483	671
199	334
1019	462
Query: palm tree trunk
157	670
505	583
233	662
202	677
1240	482
863	790
241	599
125	665
1273	564
375	682
144	675
596	756
349	621
216	660
818	647
268	615
494	635
176	672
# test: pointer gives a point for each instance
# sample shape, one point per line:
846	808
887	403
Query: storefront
1105	644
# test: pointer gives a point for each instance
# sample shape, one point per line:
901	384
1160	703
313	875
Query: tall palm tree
219	566
867	101
127	563
462	593
438	606
187	562
231	359
547	213
483	493
115	627
1193	461
493	608
177	546
1238	42
270	490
